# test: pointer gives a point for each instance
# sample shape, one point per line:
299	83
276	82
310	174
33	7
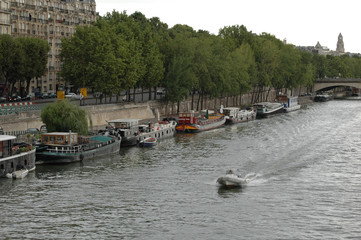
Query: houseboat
15	157
132	133
67	147
290	104
189	122
266	109
237	115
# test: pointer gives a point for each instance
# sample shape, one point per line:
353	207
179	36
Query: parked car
52	95
73	96
33	131
44	96
43	129
3	100
27	97
14	98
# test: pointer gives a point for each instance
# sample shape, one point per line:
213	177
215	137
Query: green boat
63	147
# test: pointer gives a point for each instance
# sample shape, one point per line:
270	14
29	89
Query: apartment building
51	20
5	12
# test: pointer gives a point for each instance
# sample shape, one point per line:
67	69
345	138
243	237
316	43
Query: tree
63	116
11	61
95	58
35	53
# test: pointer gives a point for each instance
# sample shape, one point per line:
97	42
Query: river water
305	183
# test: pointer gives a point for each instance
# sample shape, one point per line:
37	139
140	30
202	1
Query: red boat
188	122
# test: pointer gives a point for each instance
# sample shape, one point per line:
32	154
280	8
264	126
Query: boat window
59	139
2	166
12	164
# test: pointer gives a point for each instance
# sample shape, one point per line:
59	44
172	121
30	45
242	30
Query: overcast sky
300	22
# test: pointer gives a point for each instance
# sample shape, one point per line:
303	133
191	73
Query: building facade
5	13
51	20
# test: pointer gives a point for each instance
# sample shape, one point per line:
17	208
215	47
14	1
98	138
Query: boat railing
65	149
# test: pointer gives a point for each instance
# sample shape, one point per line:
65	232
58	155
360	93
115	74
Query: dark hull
128	142
322	98
49	157
158	134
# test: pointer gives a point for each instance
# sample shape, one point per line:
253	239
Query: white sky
300	22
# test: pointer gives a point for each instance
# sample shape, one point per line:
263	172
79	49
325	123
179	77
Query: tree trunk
269	89
192	100
198	102
142	94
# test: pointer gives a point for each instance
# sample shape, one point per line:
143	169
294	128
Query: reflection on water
303	171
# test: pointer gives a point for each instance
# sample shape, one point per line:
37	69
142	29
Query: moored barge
190	123
63	147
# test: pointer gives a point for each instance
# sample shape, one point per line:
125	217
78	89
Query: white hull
294	108
20	174
232	180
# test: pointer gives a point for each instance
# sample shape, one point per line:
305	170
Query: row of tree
130	51
21	59
121	52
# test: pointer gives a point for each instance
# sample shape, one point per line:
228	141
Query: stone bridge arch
329	83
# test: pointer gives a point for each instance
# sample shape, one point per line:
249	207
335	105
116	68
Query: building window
50	87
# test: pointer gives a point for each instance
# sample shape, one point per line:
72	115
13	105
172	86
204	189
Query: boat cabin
230	111
6	144
186	118
287	101
124	123
59	138
125	127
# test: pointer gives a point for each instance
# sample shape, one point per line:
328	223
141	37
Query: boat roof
100	138
124	120
58	133
6	138
231	108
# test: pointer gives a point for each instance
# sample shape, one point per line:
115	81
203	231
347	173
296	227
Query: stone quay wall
147	111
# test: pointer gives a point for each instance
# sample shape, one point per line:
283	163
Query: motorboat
19	174
148	142
232	180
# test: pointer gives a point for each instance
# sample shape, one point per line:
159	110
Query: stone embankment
100	114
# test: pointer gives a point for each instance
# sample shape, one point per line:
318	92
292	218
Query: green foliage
122	51
22	59
63	116
35	52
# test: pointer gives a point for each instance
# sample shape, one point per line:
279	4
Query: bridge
329	83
